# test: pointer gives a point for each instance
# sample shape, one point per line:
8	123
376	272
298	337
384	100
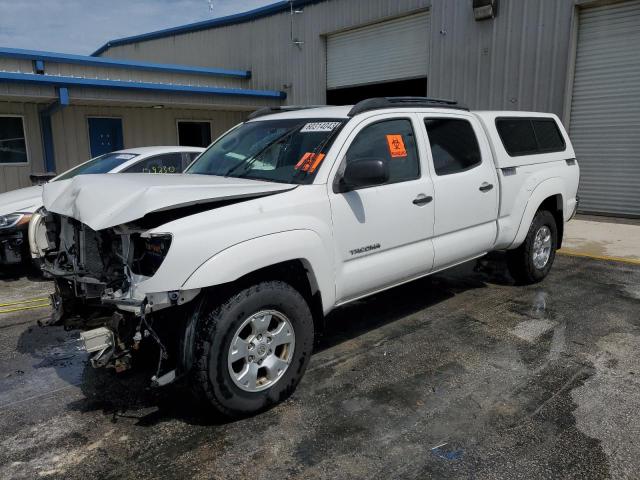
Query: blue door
105	135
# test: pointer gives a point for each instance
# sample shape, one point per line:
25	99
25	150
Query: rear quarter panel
527	180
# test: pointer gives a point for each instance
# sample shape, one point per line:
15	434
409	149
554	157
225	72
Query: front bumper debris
13	247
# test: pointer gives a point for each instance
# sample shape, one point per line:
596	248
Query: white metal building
576	58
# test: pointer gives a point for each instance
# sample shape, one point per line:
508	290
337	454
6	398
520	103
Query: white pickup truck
226	269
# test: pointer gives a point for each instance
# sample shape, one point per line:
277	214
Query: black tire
520	260
215	330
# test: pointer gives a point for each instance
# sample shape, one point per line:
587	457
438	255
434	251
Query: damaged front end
97	277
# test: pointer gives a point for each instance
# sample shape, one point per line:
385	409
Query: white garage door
393	50
605	111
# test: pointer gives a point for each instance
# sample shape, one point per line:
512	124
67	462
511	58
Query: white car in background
18	206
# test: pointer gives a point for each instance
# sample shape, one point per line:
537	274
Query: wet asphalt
459	375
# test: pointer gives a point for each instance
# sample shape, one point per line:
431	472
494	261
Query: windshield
102	164
285	151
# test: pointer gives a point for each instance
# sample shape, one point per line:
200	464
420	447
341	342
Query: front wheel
531	261
252	350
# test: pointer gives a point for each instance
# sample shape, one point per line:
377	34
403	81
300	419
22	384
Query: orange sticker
317	161
396	146
303	160
309	162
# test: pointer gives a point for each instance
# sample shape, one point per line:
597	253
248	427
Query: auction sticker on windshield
319	127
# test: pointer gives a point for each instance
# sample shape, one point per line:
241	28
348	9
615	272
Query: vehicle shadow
128	395
29	272
361	316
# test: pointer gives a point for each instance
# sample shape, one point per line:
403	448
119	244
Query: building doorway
402	88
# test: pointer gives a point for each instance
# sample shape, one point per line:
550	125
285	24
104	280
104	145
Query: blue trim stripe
38	55
266	11
58	81
63	96
47	142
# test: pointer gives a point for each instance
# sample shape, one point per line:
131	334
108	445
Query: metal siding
517	61
141	127
605	109
264	47
382	52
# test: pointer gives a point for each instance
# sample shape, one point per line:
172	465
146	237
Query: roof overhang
59	81
38	55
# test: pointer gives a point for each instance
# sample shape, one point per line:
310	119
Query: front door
383	233
466	188
105	135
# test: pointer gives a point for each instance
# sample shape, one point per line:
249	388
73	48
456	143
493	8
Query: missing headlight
149	253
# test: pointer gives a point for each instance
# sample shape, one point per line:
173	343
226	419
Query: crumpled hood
103	201
25	200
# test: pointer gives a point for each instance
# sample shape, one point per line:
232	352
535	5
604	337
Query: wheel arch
298	256
548	195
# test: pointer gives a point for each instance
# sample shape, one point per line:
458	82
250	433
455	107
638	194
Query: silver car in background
19	228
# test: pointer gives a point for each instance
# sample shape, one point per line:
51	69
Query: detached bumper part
100	343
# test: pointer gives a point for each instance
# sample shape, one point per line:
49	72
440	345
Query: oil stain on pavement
460	375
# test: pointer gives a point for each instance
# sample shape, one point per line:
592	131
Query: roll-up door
605	110
384	52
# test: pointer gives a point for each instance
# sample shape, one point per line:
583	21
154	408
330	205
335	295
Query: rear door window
454	146
529	136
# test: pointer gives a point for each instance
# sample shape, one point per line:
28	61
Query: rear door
383	233
465	185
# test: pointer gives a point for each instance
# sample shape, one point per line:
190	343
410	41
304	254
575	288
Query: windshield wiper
248	162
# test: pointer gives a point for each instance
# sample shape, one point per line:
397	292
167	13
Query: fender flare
545	189
248	256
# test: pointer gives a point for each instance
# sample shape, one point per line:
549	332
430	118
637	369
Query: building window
454	146
194	134
13	144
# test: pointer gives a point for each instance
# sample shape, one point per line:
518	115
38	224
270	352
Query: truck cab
295	212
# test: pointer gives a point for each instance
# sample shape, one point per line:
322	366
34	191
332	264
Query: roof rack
400	102
289	108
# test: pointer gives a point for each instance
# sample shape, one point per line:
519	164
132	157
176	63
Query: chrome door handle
485	187
422	200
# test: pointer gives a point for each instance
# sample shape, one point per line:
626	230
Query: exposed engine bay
96	274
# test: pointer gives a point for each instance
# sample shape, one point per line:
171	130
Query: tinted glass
517	135
188	157
393	142
165	163
13	147
285	151
454	145
530	136
548	135
102	164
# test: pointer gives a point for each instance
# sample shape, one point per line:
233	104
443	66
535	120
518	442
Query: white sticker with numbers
319	127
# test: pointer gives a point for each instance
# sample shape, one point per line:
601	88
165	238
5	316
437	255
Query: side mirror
364	172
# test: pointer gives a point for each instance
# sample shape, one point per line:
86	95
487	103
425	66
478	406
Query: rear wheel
252	350
532	261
